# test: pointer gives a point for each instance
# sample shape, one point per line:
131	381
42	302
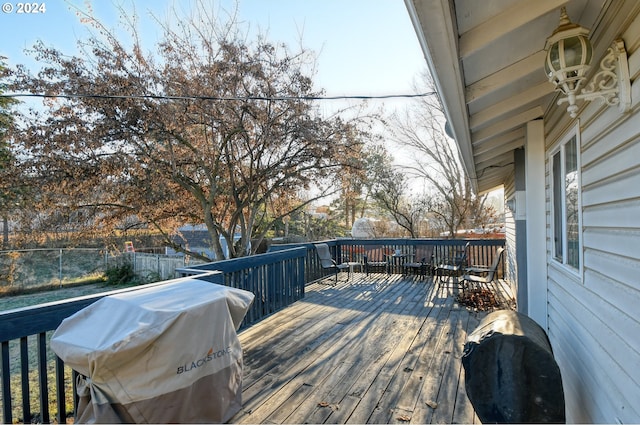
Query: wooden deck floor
376	349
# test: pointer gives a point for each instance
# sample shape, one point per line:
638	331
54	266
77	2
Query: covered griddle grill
166	353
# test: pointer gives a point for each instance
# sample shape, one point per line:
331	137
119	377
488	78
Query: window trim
560	147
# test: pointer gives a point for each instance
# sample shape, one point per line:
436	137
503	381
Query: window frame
559	213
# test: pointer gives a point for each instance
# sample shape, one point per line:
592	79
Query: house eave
439	46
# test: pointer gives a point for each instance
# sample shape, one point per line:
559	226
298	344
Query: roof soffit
440	48
486	60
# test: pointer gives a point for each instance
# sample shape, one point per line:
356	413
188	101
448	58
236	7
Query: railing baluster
42	375
254	311
280	292
257	286
6	384
302	280
24	371
60	391
279	275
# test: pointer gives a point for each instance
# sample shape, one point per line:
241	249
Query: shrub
120	274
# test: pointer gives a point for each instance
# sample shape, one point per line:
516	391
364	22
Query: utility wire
165	97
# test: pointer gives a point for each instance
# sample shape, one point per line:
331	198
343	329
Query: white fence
158	267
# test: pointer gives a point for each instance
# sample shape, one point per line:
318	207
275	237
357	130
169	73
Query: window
566	209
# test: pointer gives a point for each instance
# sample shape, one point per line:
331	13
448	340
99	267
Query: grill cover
510	373
164	353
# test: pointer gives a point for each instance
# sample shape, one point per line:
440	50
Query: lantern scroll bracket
610	84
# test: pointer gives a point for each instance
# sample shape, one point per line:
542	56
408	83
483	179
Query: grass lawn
32	268
19	301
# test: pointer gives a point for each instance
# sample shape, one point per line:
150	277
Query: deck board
371	349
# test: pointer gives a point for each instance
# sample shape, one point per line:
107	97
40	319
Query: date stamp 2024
31	8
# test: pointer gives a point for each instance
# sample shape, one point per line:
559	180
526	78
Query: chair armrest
477	269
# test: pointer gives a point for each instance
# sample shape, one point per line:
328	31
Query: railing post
339	252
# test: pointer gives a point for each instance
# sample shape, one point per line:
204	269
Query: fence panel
156	266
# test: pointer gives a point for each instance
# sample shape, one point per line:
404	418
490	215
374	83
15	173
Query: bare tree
214	130
389	189
407	211
450	199
9	188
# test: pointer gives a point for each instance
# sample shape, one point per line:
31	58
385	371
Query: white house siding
594	314
510	236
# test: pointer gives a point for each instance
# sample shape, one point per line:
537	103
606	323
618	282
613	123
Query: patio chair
375	259
483	274
327	262
424	256
453	267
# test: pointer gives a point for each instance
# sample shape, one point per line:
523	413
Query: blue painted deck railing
481	251
277	278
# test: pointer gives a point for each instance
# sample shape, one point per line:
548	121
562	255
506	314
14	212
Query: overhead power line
165	97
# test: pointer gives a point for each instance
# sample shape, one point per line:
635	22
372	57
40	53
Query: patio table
396	261
352	265
448	271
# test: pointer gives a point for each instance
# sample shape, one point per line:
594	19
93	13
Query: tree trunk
346	211
5	232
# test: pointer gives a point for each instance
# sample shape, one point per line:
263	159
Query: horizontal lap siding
601	376
608	299
510	235
594	317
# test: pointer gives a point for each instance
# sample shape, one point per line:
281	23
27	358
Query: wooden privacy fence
160	267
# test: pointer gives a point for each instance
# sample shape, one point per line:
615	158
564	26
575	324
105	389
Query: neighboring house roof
486	58
197	238
192	239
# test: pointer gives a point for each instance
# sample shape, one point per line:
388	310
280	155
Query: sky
363	47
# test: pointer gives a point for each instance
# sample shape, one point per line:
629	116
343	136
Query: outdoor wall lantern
568	60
